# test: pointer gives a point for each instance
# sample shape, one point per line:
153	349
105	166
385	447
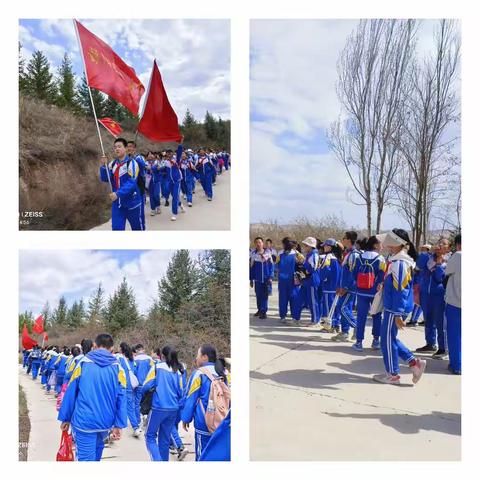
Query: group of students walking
342	283
166	175
100	390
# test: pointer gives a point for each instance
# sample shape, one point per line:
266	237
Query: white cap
310	241
391	239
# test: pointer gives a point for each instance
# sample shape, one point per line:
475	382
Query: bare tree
431	107
372	71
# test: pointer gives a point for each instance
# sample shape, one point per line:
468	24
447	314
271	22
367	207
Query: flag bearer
261	276
126	197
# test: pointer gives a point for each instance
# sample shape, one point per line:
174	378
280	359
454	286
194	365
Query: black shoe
262	316
427	349
421	323
167	203
440	353
411	324
256	314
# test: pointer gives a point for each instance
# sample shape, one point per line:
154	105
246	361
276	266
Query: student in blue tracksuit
189	173
36	357
128	364
59	366
432	266
198	389
143	364
176	443
167	379
152	168
288	290
43	366
26	352
347	288
132	153
49	366
206	171
369	272
398	303
453	308
330	270
261	276
311	281
95	402
76	356
175	179
126	198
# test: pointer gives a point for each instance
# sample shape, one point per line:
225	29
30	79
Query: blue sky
292	104
49	274
193	55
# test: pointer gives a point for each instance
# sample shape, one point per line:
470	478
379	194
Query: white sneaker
173	218
152	213
189	204
182	208
387	378
137	432
340	337
158	210
418	369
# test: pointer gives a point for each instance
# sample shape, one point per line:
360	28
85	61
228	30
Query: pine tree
60	313
188	120
215	267
210	126
25	318
47	315
122	309
67	94
39	82
111	109
22	83
76	314
179	284
96	305
84	99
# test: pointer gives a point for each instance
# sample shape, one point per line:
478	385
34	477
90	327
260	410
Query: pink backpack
218	401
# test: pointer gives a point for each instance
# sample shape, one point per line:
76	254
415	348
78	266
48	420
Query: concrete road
45	430
313	399
203	215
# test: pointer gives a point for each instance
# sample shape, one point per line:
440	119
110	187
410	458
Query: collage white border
237	239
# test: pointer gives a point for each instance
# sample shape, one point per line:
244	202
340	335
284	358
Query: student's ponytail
126	350
412	251
211	353
171	358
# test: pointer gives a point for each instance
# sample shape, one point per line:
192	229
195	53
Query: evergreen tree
189	120
210	126
39	82
179	284
25	318
215	267
60	313
22	82
67	94
121	311
96	305
84	99
47	315
76	314
111	108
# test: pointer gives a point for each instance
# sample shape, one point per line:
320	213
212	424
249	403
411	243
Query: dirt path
313	399
204	215
45	430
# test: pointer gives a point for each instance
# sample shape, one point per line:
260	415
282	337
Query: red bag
60	396
65	452
416	294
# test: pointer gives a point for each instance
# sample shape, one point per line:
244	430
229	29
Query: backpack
366	276
218	401
140	178
133	379
146	403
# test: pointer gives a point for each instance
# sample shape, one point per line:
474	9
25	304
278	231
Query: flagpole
93	105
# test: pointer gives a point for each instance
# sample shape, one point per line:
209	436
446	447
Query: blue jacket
398	285
330	270
169	387
95	399
143	364
261	267
370	262
311	265
123	179
199	391
154	169
173	166
70	367
348	279
286	264
60	364
431	275
205	166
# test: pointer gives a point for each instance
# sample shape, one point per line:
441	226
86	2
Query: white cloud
45	275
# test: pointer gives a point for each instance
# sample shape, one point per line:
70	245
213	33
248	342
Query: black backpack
146	403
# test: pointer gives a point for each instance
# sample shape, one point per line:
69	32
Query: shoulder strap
207	372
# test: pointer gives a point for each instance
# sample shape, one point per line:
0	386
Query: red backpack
366	276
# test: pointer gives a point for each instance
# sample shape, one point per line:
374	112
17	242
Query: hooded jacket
95	399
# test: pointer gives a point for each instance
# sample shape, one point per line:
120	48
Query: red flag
38	325
45	336
107	72
27	341
111	125
159	123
